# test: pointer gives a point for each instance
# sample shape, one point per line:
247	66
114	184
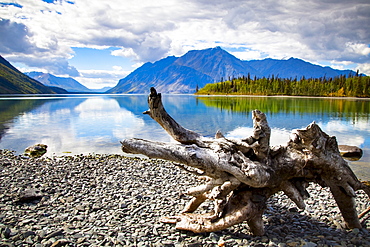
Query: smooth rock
28	195
351	152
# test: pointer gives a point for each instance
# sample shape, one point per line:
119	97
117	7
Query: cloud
14	37
119	73
364	68
311	30
17	45
148	30
153	47
55	65
101	78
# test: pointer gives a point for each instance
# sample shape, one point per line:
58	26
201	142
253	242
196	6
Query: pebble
112	200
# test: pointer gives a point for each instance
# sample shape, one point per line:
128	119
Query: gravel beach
112	200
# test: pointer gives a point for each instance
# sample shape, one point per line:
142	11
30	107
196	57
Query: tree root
243	174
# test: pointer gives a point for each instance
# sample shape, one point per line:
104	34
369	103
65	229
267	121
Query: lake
82	124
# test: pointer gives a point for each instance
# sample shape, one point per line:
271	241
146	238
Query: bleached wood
244	173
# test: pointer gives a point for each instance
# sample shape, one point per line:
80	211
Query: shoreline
114	200
278	96
7	96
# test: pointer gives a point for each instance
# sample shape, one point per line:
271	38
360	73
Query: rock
28	233
36	150
60	242
265	239
54	234
6	244
350	152
28	195
5	232
214	237
293	244
309	244
355	231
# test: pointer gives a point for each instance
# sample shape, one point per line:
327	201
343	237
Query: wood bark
243	173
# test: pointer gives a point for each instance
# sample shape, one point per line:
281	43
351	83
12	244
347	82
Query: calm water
76	124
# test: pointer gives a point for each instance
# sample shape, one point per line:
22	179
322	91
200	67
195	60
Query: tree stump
243	173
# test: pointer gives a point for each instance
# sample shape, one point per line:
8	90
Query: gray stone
5	232
352	152
214	237
309	244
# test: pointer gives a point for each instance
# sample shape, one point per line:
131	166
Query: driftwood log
243	173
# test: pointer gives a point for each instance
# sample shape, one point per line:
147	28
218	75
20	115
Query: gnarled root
243	173
244	206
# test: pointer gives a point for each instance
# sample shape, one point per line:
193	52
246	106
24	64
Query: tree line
341	86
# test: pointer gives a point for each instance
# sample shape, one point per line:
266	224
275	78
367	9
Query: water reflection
75	125
96	123
347	119
344	109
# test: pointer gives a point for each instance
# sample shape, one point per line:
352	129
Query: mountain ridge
302	68
12	81
197	68
67	83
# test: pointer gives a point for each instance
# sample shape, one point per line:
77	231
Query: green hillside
12	81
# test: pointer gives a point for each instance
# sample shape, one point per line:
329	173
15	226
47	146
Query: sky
99	42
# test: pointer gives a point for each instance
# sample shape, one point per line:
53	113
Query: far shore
277	96
194	94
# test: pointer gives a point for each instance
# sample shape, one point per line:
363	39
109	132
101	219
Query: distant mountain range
67	83
172	74
12	81
198	67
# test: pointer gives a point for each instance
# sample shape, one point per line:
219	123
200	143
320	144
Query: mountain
69	84
216	63
294	67
183	74
12	81
165	75
198	67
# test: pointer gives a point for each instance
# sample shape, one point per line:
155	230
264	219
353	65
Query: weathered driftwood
243	173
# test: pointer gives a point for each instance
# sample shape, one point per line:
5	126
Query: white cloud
149	30
101	78
117	68
19	44
361	49
247	55
58	66
126	52
119	73
364	68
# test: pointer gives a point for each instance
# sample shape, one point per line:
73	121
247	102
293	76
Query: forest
341	86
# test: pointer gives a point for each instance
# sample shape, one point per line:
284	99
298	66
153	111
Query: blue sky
88	58
99	42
